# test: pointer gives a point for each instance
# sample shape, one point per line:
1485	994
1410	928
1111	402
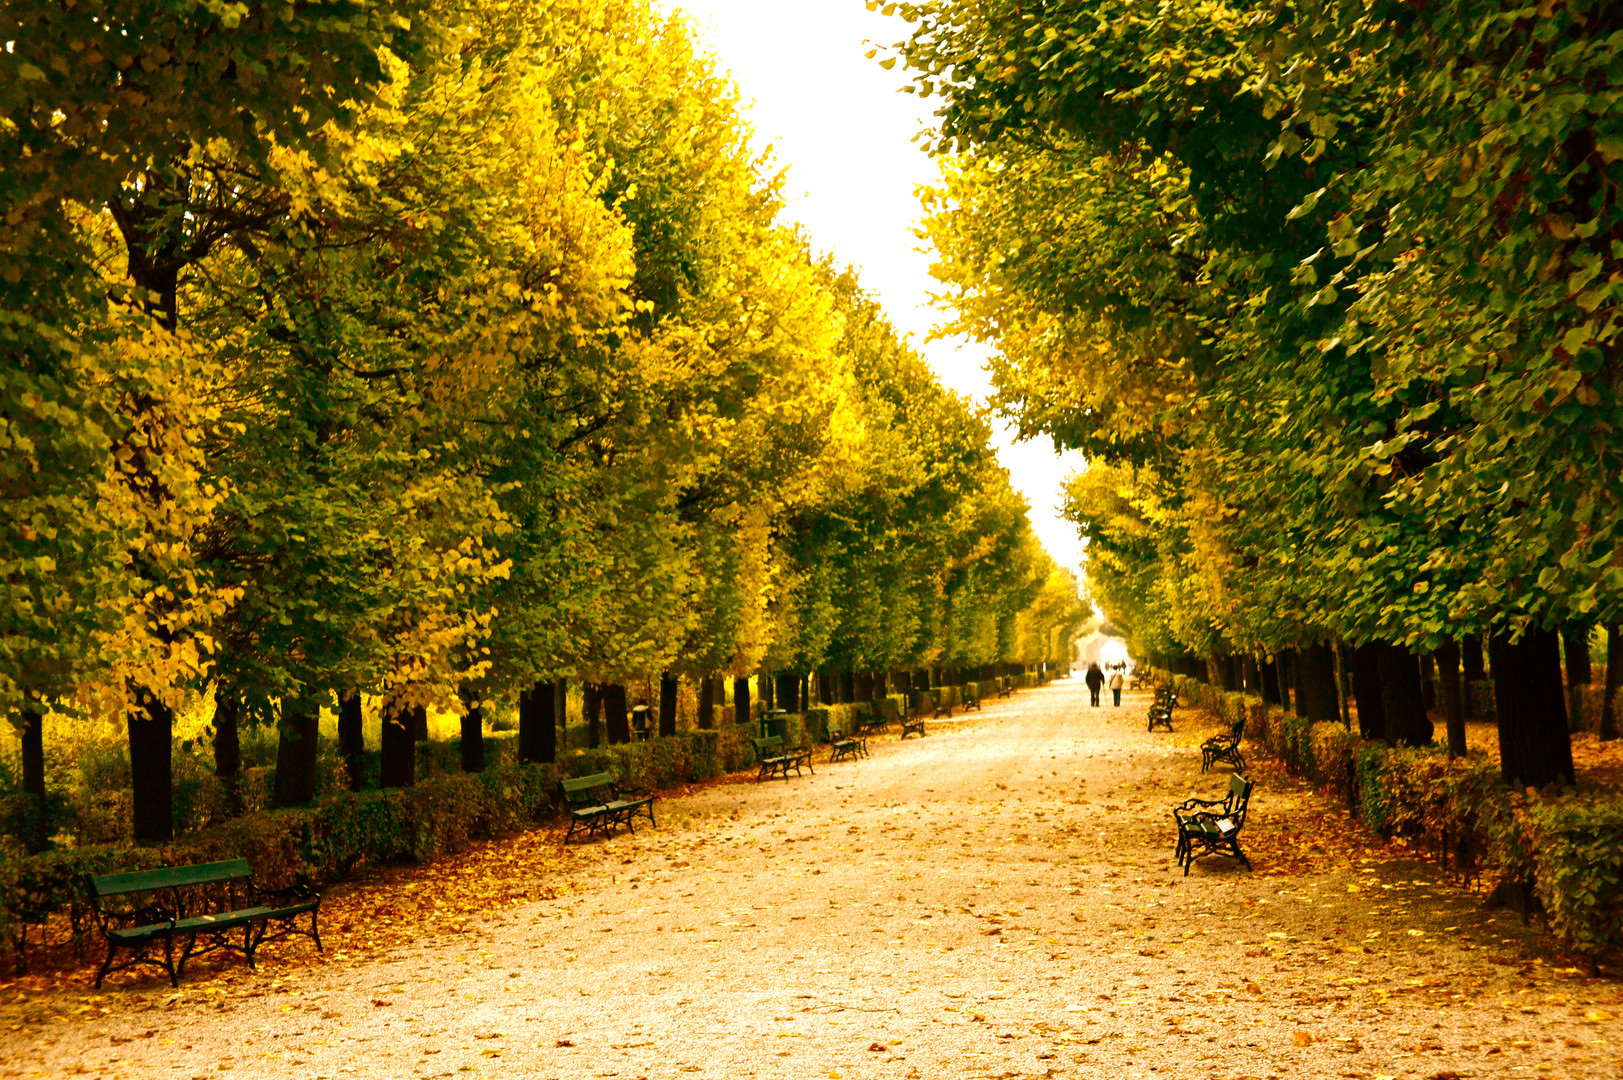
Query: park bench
217	902
1213	825
943	706
1161	707
597	803
874	719
913	723
774	760
844	745
1224	747
972	698
1005	686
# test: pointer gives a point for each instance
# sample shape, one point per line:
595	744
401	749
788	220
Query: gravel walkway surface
997	899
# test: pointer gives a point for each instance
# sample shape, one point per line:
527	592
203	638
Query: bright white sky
837	120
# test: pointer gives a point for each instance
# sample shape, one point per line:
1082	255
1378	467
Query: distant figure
1095	680
1116	679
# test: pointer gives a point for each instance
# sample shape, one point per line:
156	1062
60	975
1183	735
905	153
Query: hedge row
440	814
1567	846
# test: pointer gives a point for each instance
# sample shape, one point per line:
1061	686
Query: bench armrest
1190	804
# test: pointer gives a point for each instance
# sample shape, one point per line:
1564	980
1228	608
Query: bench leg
169	961
107	964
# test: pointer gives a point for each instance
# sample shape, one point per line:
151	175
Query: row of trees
441	352
1328	293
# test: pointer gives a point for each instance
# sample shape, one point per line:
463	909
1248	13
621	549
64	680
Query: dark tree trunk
707	703
228	746
825	688
1253	680
538	714
847	687
1452	695
788	692
806	690
615	712
352	739
1471	659
399	756
592	710
667	704
1428	682
151	729
1316	695
864	686
419	723
764	692
1402	699
36	831
1575	640
741	701
1535	747
1366	681
1218	672
473	735
1614	679
295	783
1268	672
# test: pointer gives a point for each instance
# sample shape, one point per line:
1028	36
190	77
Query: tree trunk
864	686
1218	673
352	739
1614	679
789	692
473	735
1402	700
825	688
765	691
614	710
151	731
1575	640
1428	682
1452	694
295	783
592	708
399	764
741	701
847	688
1316	695
228	746
1366	680
1343	686
538	714
1268	672
419	723
1471	658
1535	747
1249	671
667	704
707	703
36	830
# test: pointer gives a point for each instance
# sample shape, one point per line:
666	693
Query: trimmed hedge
1567	844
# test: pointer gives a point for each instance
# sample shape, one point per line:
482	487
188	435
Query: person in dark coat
1095	679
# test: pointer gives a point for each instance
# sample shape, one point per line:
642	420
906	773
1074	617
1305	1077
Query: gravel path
995	900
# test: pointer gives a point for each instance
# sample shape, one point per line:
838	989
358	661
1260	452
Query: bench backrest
767	745
1239	797
579	790
169	877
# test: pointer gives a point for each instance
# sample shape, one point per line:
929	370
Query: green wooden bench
1224	747
1161	707
913	720
216	902
971	699
943	706
775	760
846	745
1213	825
1005	686
597	803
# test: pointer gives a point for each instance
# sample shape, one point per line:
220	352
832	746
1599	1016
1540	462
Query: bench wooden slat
169	877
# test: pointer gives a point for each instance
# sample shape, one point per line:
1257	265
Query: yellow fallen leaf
1303	1038
1599	1014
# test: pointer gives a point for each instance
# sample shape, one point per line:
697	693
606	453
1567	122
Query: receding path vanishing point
995	900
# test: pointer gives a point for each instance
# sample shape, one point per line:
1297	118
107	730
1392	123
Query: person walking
1116	681
1095	680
